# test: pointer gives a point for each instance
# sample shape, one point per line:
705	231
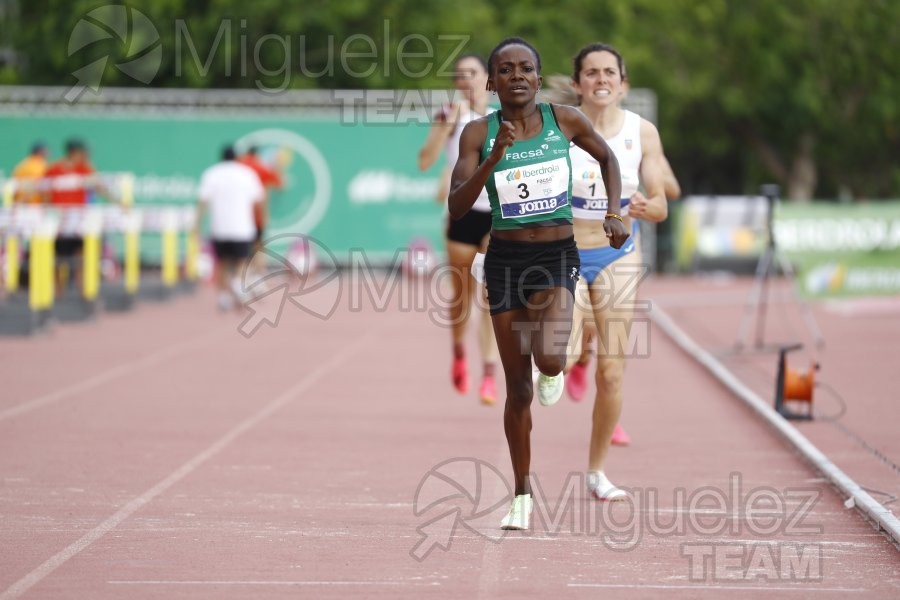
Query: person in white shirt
232	195
469	235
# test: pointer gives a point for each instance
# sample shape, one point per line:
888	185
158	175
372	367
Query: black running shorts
514	270
470	228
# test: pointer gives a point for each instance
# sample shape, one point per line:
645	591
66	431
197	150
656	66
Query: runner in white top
468	235
608	286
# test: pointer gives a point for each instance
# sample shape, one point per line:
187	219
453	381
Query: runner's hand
506	136
615	231
637	206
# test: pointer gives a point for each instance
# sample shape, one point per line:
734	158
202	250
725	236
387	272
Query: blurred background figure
468	235
270	178
268	175
232	194
69	183
29	175
70	187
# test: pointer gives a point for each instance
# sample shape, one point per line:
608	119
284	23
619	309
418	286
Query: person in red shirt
67	176
270	178
267	175
70	186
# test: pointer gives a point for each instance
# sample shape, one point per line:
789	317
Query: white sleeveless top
482	204
589	199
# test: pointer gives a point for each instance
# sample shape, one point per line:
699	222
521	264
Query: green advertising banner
837	250
842	250
353	187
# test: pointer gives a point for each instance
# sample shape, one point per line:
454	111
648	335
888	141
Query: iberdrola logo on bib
589	175
517	174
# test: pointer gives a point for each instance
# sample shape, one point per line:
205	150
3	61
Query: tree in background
803	92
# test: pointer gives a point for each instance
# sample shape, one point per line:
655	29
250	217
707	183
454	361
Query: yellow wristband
614	216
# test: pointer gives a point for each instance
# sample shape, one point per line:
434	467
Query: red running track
162	454
856	413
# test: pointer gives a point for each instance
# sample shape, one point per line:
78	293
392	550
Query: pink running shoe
460	375
488	390
619	437
576	382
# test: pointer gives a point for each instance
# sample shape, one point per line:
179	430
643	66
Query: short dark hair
75	145
578	61
228	153
513	41
38	148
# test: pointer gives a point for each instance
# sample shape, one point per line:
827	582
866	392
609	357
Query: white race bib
588	192
534	189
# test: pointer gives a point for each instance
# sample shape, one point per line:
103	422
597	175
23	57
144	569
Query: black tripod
758	300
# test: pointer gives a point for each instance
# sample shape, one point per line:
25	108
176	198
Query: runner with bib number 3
520	154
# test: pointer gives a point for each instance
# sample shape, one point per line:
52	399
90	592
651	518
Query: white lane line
883	518
339	359
261	583
734	588
108	375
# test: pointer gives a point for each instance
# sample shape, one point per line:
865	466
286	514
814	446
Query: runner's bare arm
469	177
441	128
651	205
